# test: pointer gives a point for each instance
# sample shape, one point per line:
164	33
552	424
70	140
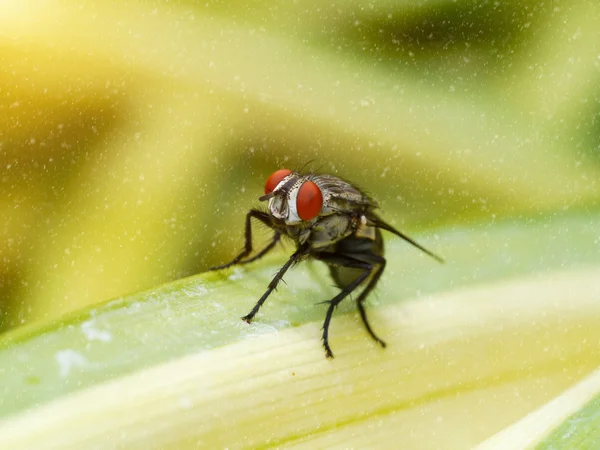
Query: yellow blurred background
135	135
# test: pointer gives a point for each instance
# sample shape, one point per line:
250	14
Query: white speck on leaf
280	324
68	359
236	275
94	334
258	329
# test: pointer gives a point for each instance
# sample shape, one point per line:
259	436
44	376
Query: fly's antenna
377	222
304	166
314	172
265	197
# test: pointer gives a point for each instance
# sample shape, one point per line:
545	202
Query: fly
330	220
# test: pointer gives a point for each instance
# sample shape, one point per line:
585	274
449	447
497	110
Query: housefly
328	219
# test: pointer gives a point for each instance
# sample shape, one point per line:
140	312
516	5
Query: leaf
471	350
568	421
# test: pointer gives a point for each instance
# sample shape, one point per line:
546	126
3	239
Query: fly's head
302	199
293	198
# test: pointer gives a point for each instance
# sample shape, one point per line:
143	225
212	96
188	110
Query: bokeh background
135	135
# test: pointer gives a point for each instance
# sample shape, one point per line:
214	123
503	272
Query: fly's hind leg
363	295
349	262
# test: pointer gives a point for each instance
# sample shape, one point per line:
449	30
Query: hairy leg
344	261
239	259
296	257
363	295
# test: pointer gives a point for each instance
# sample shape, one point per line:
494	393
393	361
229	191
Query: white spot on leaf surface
94	334
68	359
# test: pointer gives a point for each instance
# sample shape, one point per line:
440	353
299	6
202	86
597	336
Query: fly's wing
341	196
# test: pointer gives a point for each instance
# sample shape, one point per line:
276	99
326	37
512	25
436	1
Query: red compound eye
309	201
275	179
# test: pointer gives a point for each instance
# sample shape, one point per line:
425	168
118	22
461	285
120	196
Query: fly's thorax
330	229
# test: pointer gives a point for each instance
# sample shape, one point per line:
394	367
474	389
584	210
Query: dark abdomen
366	249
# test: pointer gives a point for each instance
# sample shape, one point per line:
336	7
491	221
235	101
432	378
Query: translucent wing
340	195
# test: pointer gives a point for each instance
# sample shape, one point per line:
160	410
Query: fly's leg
345	261
239	259
363	295
276	238
295	258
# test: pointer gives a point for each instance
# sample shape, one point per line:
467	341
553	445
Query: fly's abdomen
367	249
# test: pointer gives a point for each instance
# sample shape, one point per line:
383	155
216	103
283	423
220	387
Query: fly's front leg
276	238
239	259
344	261
296	257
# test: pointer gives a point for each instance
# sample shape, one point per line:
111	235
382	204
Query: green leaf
568	421
472	348
582	430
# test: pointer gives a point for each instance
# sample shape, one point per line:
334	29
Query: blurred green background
134	137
